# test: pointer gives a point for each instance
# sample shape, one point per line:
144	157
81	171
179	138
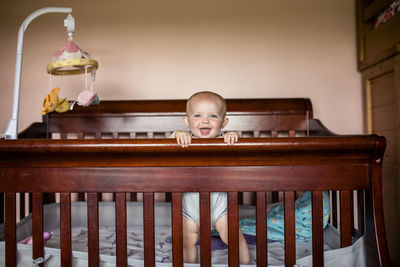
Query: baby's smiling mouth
205	131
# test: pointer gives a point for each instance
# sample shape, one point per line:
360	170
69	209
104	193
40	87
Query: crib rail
253	165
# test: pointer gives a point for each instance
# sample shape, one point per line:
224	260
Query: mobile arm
69	22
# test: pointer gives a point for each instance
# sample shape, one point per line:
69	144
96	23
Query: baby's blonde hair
208	94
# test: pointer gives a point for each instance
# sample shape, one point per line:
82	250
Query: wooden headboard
158	118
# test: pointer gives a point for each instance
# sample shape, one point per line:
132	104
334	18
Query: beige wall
160	49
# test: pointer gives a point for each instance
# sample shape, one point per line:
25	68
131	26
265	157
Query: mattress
334	256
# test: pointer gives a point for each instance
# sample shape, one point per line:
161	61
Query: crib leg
377	250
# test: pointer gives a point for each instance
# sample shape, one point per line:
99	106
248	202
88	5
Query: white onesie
191	206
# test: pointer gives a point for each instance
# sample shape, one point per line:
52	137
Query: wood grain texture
205	230
177	235
93	229
10	227
121	229
290	238
233	229
261	234
317	229
37	226
148	229
65	229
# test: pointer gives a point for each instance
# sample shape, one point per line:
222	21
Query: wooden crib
120	147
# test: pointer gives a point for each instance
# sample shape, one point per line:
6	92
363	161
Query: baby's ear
224	123
186	121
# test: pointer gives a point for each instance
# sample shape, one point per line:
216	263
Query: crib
121	147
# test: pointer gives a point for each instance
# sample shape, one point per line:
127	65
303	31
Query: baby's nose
205	120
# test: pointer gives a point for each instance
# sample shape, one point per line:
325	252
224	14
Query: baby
205	117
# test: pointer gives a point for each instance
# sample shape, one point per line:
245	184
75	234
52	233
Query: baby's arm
182	137
231	137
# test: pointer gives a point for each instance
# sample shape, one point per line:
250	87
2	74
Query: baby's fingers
184	140
231	138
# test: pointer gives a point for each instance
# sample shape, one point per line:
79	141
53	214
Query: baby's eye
196	115
213	116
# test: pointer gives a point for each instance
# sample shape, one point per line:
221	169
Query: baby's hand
231	137
183	138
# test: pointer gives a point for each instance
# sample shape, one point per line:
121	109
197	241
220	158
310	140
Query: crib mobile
71	60
68	60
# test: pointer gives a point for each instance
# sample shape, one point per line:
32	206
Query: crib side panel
325	166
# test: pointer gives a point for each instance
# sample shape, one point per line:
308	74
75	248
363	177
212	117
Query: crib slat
317	230
148	228
205	230
133	196
10	233
37	225
65	229
177	243
345	219
261	217
290	240
274	197
1	207
233	228
360	212
334	209
120	228
21	205
81	196
93	228
30	203
352	218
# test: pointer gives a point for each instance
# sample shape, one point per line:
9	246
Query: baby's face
205	118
